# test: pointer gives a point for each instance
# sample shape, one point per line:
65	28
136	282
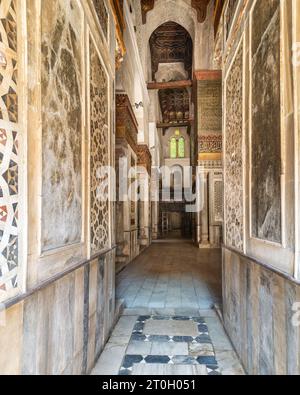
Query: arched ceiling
171	43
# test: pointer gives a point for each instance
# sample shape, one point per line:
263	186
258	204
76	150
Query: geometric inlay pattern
8	150
234	155
99	153
208	359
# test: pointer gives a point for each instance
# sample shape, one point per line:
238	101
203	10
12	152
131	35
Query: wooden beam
173	125
170	85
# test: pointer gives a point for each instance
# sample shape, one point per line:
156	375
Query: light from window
173	148
181	148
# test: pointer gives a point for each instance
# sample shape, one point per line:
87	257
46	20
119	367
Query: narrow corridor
149	187
169	325
172	275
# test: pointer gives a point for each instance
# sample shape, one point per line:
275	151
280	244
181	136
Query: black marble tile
207	360
138	337
203	339
163	359
203	328
138	327
130	360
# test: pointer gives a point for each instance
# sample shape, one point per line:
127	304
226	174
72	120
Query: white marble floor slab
120	344
171	276
171	328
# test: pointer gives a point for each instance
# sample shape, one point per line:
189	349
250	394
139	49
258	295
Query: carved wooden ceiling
171	43
175	105
199	5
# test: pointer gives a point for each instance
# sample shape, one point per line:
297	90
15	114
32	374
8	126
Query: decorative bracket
201	8
147	5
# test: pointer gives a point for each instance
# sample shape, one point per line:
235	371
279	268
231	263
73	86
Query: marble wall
258	308
59	320
61	23
260	267
266	116
67	324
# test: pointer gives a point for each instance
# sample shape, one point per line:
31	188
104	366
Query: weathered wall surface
266	126
67	324
62	306
258	312
61	78
260	267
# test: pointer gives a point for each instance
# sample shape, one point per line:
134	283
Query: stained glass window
173	148
181	148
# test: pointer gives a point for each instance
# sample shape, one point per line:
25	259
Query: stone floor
172	275
194	344
169	326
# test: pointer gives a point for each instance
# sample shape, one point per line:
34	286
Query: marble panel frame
44	266
280	255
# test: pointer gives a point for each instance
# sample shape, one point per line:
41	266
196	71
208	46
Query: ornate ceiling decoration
175	105
171	43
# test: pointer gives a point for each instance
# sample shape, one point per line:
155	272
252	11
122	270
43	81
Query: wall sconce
138	105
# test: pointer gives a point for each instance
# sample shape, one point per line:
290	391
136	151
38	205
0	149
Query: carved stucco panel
99	153
9	151
234	224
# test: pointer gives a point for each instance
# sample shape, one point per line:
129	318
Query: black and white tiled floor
199	344
168	342
169	326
